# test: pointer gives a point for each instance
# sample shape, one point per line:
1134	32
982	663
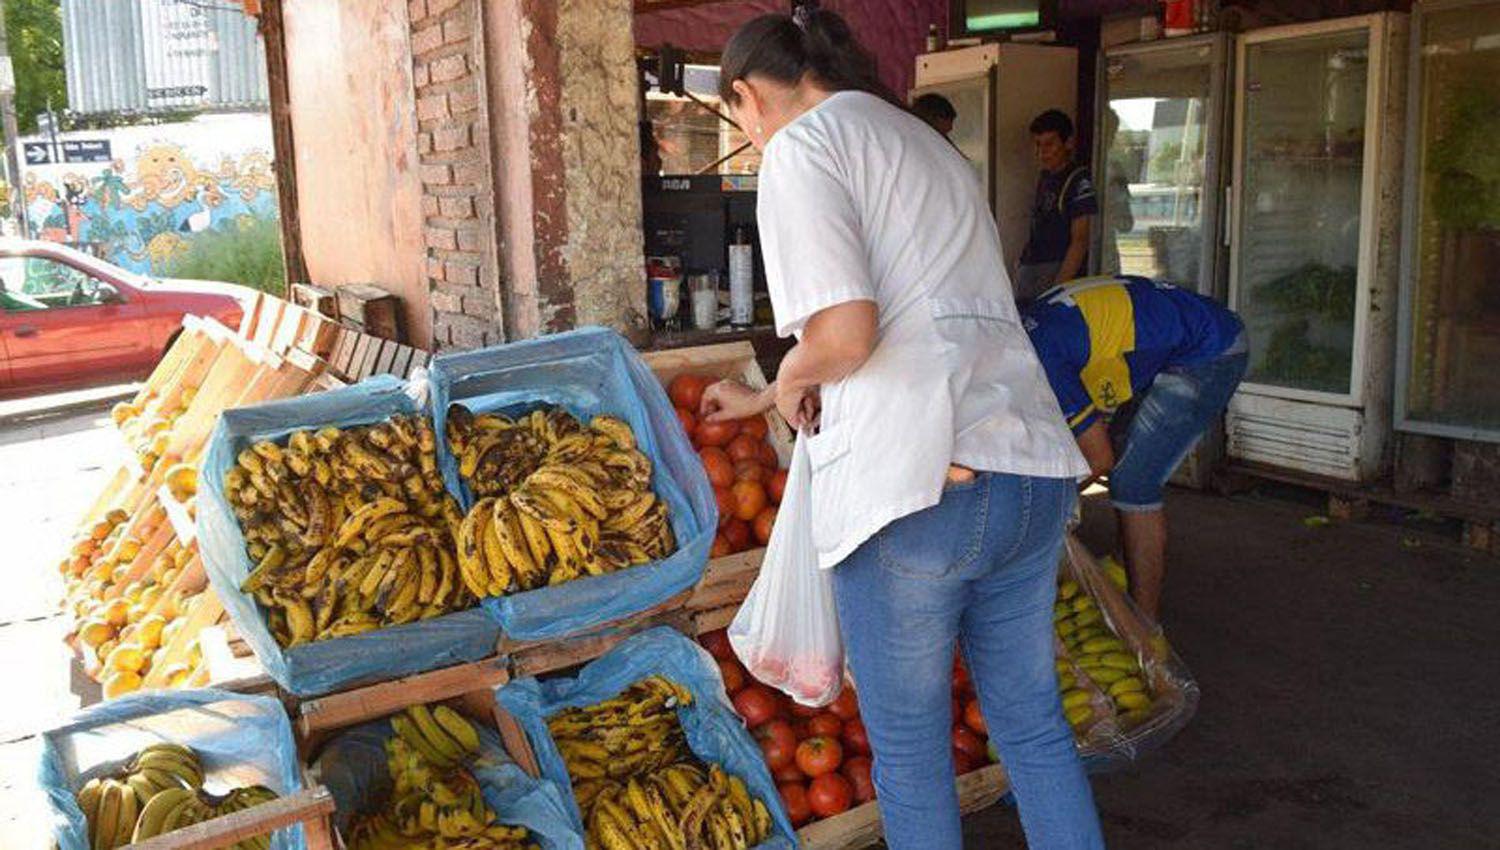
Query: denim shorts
1171	417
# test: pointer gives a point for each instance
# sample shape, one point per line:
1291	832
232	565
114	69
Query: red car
68	319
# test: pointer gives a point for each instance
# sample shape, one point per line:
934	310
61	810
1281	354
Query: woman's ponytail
786	48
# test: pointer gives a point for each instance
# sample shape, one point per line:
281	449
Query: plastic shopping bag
787	630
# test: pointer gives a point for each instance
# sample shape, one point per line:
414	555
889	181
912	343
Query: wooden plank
293	318
368	703
372	356
528	658
226	830
251	315
170	364
177	515
225	668
204	612
402	364
386	358
343	350
362	347
726	580
517	746
861	826
270	319
160	538
419	360
318	335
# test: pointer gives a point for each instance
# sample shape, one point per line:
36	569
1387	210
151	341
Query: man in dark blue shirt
1061	214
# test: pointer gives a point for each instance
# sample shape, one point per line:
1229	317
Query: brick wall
458	230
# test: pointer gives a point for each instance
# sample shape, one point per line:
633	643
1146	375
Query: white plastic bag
787	630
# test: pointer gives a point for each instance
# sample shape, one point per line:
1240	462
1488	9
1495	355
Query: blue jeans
979	568
1172	416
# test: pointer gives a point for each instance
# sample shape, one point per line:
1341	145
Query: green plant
247	251
34	32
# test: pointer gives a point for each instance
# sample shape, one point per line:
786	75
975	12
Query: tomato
744	447
856	740
971	745
686	391
778	744
963	763
974	718
755	426
768	455
688	420
800	710
794	797
829	795
846	705
733	675
956	713
756	704
776	487
717	644
790	773
721	547
719	467
961	680
764	522
826	725
724	501
737	532
750	470
818	755
749	500
717	433
857	771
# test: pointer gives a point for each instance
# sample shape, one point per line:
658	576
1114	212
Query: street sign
86	150
37	153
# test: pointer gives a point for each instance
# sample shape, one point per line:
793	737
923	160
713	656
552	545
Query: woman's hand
727	400
801	408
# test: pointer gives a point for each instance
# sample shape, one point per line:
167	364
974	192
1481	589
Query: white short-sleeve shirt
860	200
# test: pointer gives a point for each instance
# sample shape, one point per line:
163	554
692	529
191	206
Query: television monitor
991	17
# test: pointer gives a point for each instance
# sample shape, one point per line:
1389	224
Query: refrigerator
1159	143
1314	226
997	89
1450	259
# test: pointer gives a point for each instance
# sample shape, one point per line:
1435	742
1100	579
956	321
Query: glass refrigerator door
1451	318
1298	219
1158	136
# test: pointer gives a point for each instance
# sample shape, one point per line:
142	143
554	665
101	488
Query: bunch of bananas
557	500
351	530
434	803
158	791
638	784
1094	667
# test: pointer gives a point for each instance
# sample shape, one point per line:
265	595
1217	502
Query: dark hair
1053	121
785	49
932	105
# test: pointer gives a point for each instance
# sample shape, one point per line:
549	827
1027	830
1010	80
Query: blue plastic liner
588	372
353	768
322	666
714	732
240	740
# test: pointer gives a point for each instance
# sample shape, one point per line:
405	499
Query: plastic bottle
741	281
934	41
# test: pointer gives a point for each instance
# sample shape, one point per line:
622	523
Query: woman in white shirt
943	471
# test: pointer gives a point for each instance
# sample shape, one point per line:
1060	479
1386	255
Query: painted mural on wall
143	209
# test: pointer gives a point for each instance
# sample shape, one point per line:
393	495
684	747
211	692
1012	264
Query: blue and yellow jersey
1103	340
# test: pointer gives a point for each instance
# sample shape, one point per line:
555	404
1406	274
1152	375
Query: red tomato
776	487
750	470
749	500
778	744
724	500
971	745
717	433
825	725
755	426
846	705
799	710
756	704
817	756
733	675
829	795
961	680
974	718
956	713
686	391
790	773
963	763
737	532
688	420
794	797
856	740
764	521
744	447
719	467
717	644
721	548
768	455
857	771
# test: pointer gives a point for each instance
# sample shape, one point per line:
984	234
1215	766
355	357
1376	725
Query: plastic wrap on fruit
787	630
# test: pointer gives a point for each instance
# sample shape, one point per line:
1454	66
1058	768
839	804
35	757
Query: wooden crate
316	298
370	309
310	807
861	826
